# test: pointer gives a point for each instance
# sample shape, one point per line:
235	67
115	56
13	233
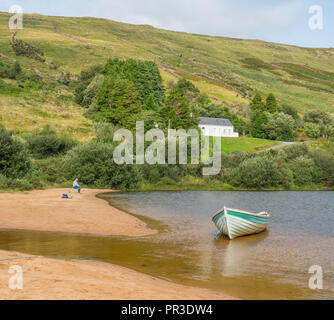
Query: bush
256	173
279	127
155	173
14	160
305	171
15	71
104	132
312	130
4	182
90	95
294	151
93	164
325	161
46	143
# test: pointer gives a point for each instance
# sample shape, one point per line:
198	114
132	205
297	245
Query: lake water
272	265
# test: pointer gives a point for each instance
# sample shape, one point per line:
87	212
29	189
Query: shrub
312	130
15	71
93	164
294	151
279	127
155	173
290	110
305	171
325	161
46	143
90	95
14	160
104	132
4	182
22	48
256	173
21	184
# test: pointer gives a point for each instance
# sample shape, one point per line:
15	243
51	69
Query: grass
226	69
246	144
235	65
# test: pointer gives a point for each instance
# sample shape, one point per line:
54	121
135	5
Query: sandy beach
45	278
85	214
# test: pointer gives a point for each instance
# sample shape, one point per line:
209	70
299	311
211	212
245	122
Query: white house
214	127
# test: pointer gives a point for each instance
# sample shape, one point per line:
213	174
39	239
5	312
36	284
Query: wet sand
45	278
50	279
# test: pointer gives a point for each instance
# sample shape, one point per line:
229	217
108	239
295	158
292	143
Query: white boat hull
236	223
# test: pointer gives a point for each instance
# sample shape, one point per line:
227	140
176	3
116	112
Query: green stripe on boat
255	219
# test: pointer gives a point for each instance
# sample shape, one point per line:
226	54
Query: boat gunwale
264	214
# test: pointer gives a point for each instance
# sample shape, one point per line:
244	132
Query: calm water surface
272	265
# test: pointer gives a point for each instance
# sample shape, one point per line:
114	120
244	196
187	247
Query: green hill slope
228	70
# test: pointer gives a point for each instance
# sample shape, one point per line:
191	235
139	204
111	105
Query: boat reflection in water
234	258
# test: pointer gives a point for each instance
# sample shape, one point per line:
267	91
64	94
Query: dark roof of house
215	122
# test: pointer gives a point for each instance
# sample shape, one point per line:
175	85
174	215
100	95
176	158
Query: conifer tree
271	103
257	104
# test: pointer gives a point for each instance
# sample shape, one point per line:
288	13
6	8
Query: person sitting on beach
76	185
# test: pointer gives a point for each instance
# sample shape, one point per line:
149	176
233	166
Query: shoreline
46	211
56	279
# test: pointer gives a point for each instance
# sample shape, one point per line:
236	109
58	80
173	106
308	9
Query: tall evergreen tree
259	120
271	103
257	103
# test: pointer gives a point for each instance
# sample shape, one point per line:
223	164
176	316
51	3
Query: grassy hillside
228	70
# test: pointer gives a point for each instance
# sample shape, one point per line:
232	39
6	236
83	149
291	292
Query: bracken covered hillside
228	70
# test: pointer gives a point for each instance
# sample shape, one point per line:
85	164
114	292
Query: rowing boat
236	223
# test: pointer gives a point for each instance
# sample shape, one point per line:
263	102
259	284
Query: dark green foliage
119	103
145	77
122	92
258	120
14	161
93	164
271	103
305	171
257	103
257	173
180	110
154	174
46	144
279	127
22	48
290	110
